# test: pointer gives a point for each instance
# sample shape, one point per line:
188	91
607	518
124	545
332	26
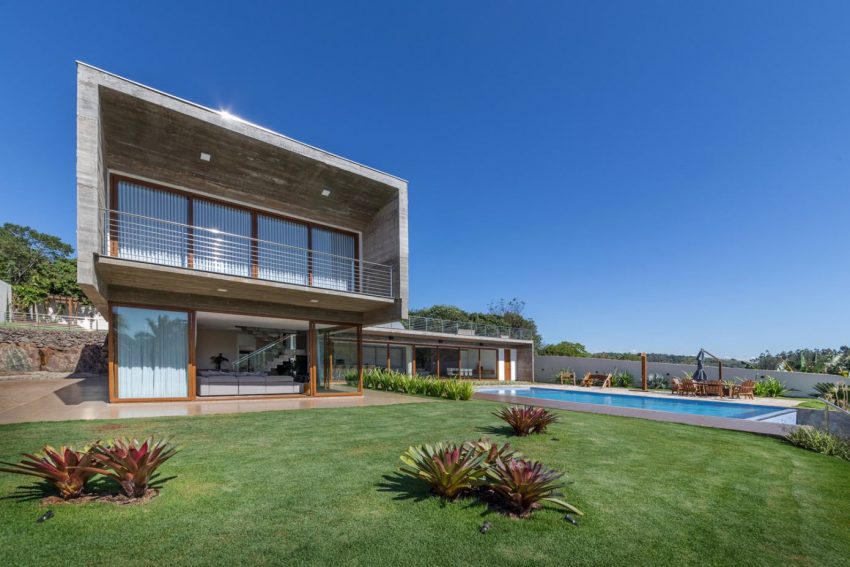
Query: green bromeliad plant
449	470
523	486
525	420
66	468
769	387
130	462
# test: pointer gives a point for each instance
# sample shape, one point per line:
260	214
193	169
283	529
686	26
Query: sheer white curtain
152	351
153	230
337	271
282	250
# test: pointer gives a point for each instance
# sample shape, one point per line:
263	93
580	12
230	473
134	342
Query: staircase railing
261	356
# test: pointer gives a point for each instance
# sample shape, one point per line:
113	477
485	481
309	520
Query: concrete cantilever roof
236	124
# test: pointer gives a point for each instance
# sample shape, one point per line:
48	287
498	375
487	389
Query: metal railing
144	239
260	358
467	328
54	321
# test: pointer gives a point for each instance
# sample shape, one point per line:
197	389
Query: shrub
131	463
391	381
656	381
448	469
769	387
523	485
820	441
838	393
525	420
622	379
66	469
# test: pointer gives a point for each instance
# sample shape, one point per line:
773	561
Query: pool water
671	405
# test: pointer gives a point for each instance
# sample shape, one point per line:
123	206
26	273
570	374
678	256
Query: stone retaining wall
32	350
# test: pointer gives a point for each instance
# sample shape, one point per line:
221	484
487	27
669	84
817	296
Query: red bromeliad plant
448	469
66	469
525	420
492	451
522	486
131	463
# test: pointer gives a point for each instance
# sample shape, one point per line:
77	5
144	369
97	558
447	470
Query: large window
449	363
175	229
399	355
489	364
151	353
375	356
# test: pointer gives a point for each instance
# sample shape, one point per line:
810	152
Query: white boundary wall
547	367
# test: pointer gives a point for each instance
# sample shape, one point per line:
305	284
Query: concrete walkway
87	398
765	428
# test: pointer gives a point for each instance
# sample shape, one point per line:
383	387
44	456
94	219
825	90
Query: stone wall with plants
24	350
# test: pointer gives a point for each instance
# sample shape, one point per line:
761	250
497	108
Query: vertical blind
219	248
282	250
333	272
150	236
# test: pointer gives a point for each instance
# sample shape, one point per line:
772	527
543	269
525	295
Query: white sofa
214	383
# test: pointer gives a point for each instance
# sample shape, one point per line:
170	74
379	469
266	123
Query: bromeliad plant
525	420
66	468
131	463
492	451
523	486
450	470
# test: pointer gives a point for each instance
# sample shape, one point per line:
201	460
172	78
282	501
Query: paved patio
762	427
87	398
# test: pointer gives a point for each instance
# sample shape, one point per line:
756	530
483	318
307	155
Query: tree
564	348
25	251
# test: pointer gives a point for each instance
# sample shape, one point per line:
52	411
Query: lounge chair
601	380
744	389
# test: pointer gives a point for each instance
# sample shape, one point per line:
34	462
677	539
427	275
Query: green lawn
310	487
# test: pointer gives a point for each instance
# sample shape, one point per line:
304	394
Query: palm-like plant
131	463
525	420
67	469
449	469
524	485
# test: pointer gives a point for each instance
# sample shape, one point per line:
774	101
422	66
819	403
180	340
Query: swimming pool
670	405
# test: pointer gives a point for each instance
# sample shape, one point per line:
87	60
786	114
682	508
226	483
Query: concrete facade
124	128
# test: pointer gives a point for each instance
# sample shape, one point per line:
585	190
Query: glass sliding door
151	225
489	364
449	362
425	361
337	359
375	356
333	264
469	366
151	353
399	355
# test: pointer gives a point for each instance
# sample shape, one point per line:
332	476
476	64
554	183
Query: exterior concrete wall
547	367
129	129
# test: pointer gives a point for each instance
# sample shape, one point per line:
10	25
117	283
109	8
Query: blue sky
657	176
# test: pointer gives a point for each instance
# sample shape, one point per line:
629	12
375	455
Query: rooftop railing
144	239
465	328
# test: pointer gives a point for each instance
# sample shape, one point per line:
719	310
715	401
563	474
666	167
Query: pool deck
72	398
764	428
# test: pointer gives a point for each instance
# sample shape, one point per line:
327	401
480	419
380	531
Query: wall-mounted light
205	156
314	301
326	192
222	290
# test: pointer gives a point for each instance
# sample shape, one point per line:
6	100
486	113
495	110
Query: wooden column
643	378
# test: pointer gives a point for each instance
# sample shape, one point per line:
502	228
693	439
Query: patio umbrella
700	375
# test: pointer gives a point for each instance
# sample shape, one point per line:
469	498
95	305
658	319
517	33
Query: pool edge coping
729	423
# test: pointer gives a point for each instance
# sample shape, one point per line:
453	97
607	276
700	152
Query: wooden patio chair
601	380
675	386
688	387
743	390
567	377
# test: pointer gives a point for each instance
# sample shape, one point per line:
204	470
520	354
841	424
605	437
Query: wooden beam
643	377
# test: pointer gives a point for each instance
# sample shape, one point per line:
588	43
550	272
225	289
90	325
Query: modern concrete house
234	261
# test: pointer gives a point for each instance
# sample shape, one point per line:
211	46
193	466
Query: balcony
464	328
137	238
